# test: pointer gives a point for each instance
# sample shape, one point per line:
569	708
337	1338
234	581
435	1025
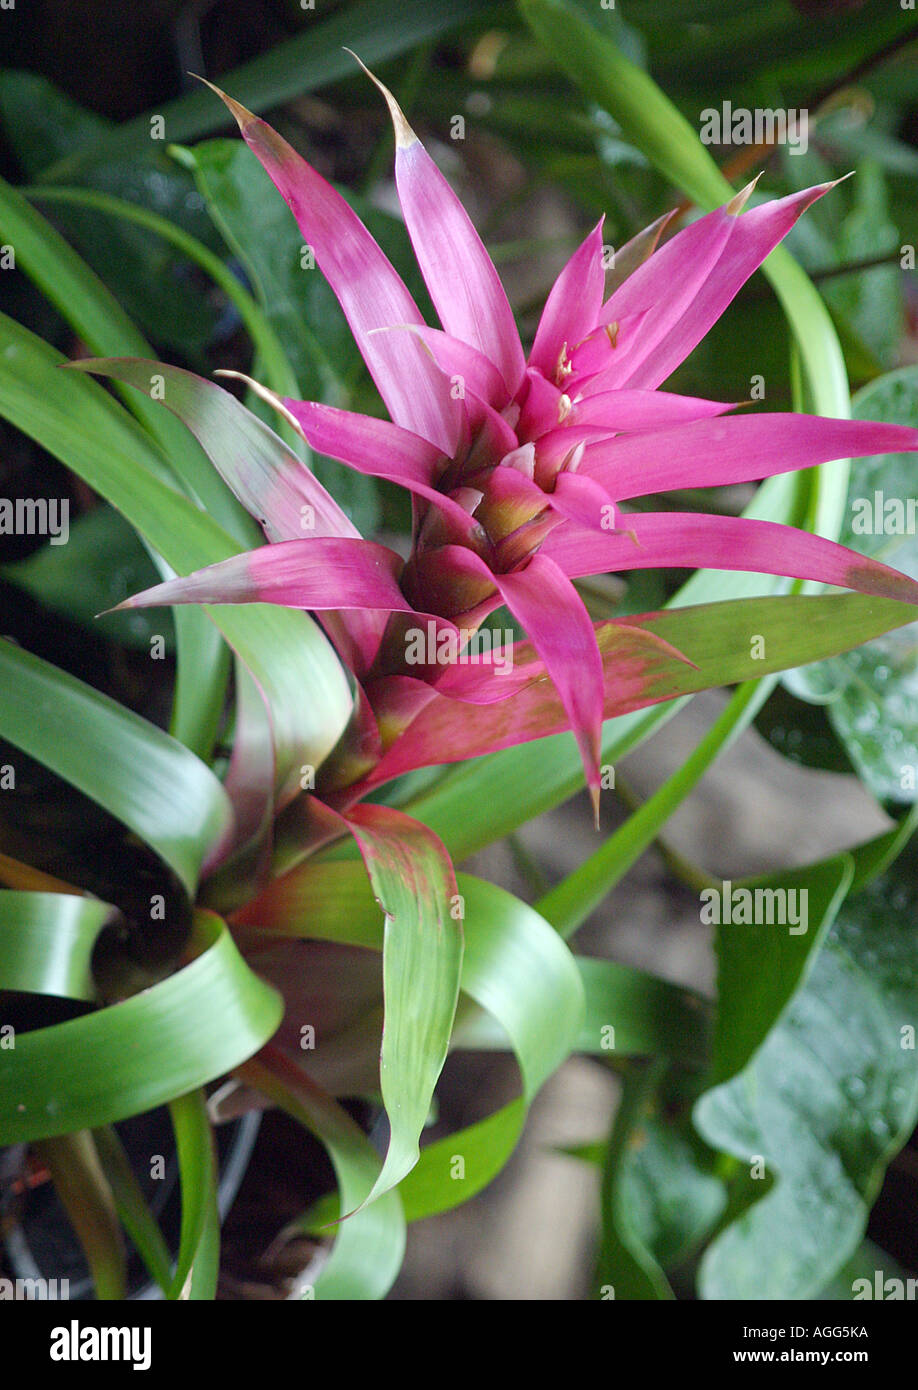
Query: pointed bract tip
241	114
594	798
740	199
266	394
404	135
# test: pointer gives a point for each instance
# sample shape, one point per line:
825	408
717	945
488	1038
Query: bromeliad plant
521	470
518	466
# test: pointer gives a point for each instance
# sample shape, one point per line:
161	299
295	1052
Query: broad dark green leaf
626	1269
871	694
312	59
102	563
801	732
768	933
826	1102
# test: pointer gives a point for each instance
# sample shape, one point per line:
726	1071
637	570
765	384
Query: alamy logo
759	907
76	1343
880	515
737	125
433	646
34	1290
36	516
883	1288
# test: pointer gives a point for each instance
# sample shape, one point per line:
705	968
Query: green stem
87	1199
682	868
571	902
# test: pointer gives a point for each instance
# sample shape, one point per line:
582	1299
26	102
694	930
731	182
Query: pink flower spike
544	600
330	572
737	449
583	500
369	289
467	368
663	288
460	275
572	309
690	540
755	234
628	411
379	449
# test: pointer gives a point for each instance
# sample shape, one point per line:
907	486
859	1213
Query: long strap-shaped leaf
369	1245
199	1242
515	967
294	666
46	942
414	883
135	1055
103	325
140	775
302	64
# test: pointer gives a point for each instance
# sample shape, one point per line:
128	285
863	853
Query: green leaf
649	1017
628	1013
868	1263
670	1188
41	122
311	60
626	1268
96	315
132	1208
415	885
98	318
199	1242
370	1243
135	1055
47	940
102	563
514	967
156	286
140	775
871	694
826	1102
87	1199
256	226
801	732
268	349
760	963
295	667
570	902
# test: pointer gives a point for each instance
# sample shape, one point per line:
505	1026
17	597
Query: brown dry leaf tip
404	135
242	115
740	199
594	798
266	394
